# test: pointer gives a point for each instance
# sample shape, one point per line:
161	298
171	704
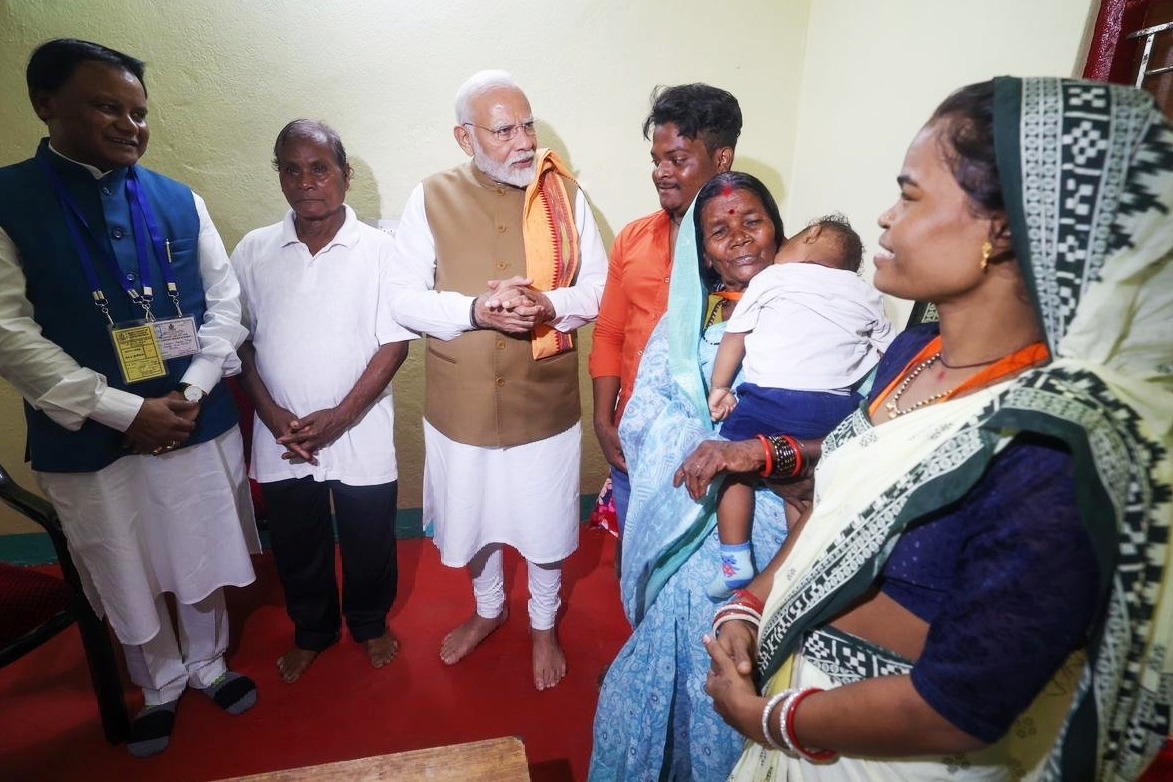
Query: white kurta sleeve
578	304
414	301
387	328
221	332
44	374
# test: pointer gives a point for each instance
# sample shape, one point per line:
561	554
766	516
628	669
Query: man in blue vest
119	314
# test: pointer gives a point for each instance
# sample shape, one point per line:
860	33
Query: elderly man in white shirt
498	262
323	348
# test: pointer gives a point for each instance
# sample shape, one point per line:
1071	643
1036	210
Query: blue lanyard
143	218
144	225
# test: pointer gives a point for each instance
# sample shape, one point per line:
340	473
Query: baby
809	331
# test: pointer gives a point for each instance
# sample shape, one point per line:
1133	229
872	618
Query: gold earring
987	251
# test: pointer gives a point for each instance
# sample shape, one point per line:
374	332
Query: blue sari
654	720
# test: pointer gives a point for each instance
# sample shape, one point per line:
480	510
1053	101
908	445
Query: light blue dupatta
667	417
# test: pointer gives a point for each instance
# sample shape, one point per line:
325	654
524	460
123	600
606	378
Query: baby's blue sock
736	569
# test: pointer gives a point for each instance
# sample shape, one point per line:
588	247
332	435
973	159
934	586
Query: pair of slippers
150	731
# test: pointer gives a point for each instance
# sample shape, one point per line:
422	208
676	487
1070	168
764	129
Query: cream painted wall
874	72
225	76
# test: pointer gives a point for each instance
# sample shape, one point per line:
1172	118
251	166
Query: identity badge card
177	336
139	354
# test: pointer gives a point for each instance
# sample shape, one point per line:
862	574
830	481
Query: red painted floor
341	708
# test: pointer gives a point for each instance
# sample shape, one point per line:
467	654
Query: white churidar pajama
476	497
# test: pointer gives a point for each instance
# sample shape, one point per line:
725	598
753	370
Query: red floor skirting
342	708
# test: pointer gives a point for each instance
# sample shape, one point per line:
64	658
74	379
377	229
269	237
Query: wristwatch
192	393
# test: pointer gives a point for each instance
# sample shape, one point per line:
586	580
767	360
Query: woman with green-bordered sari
982	588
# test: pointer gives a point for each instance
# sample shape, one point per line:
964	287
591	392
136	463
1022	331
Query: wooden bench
494	760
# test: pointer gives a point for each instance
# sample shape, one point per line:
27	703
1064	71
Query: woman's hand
799	496
733	692
713	457
739	640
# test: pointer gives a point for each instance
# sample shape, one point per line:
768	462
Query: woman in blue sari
654	720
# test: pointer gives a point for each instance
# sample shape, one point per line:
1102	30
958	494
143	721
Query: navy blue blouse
1006	578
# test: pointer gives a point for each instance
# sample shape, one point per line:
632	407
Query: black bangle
787	460
472	314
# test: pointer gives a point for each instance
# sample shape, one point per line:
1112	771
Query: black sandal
235	694
150	731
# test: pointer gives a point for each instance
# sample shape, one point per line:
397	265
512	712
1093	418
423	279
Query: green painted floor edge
34	548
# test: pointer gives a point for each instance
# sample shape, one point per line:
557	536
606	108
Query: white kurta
180	522
525	496
316	322
143	525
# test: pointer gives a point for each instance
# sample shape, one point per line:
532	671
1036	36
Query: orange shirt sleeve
606	353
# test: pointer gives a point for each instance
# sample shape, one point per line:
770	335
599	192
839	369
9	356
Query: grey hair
477	84
315	131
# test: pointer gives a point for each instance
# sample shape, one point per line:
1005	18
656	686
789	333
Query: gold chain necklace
891	406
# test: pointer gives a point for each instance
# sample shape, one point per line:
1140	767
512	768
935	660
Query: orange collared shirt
634	300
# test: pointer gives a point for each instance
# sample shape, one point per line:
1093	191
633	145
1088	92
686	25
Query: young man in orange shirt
693	129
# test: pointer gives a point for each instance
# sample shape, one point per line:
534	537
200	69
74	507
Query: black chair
37	606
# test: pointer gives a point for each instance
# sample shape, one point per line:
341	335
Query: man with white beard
498	262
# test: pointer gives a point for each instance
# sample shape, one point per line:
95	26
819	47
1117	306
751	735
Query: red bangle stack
768	470
783	454
747	598
745	606
798	456
791	739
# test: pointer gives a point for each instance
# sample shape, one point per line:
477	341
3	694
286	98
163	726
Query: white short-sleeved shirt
315	323
810	328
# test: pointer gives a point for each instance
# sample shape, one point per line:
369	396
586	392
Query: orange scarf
551	243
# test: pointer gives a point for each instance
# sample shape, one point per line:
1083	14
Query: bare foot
382	650
549	662
294	663
458	643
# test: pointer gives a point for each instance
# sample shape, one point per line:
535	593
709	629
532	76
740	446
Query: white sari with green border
1087	173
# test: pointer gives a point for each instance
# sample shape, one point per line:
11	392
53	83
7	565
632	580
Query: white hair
478	84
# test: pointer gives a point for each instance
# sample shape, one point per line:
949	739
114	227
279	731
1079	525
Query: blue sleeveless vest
34	219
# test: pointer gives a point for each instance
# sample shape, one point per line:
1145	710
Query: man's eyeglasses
502	135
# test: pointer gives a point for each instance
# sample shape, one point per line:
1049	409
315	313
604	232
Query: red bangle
749	599
816	755
768	470
798	460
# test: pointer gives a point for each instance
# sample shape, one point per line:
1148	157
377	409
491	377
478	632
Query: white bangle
784	717
733	618
735	608
736	611
767	711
